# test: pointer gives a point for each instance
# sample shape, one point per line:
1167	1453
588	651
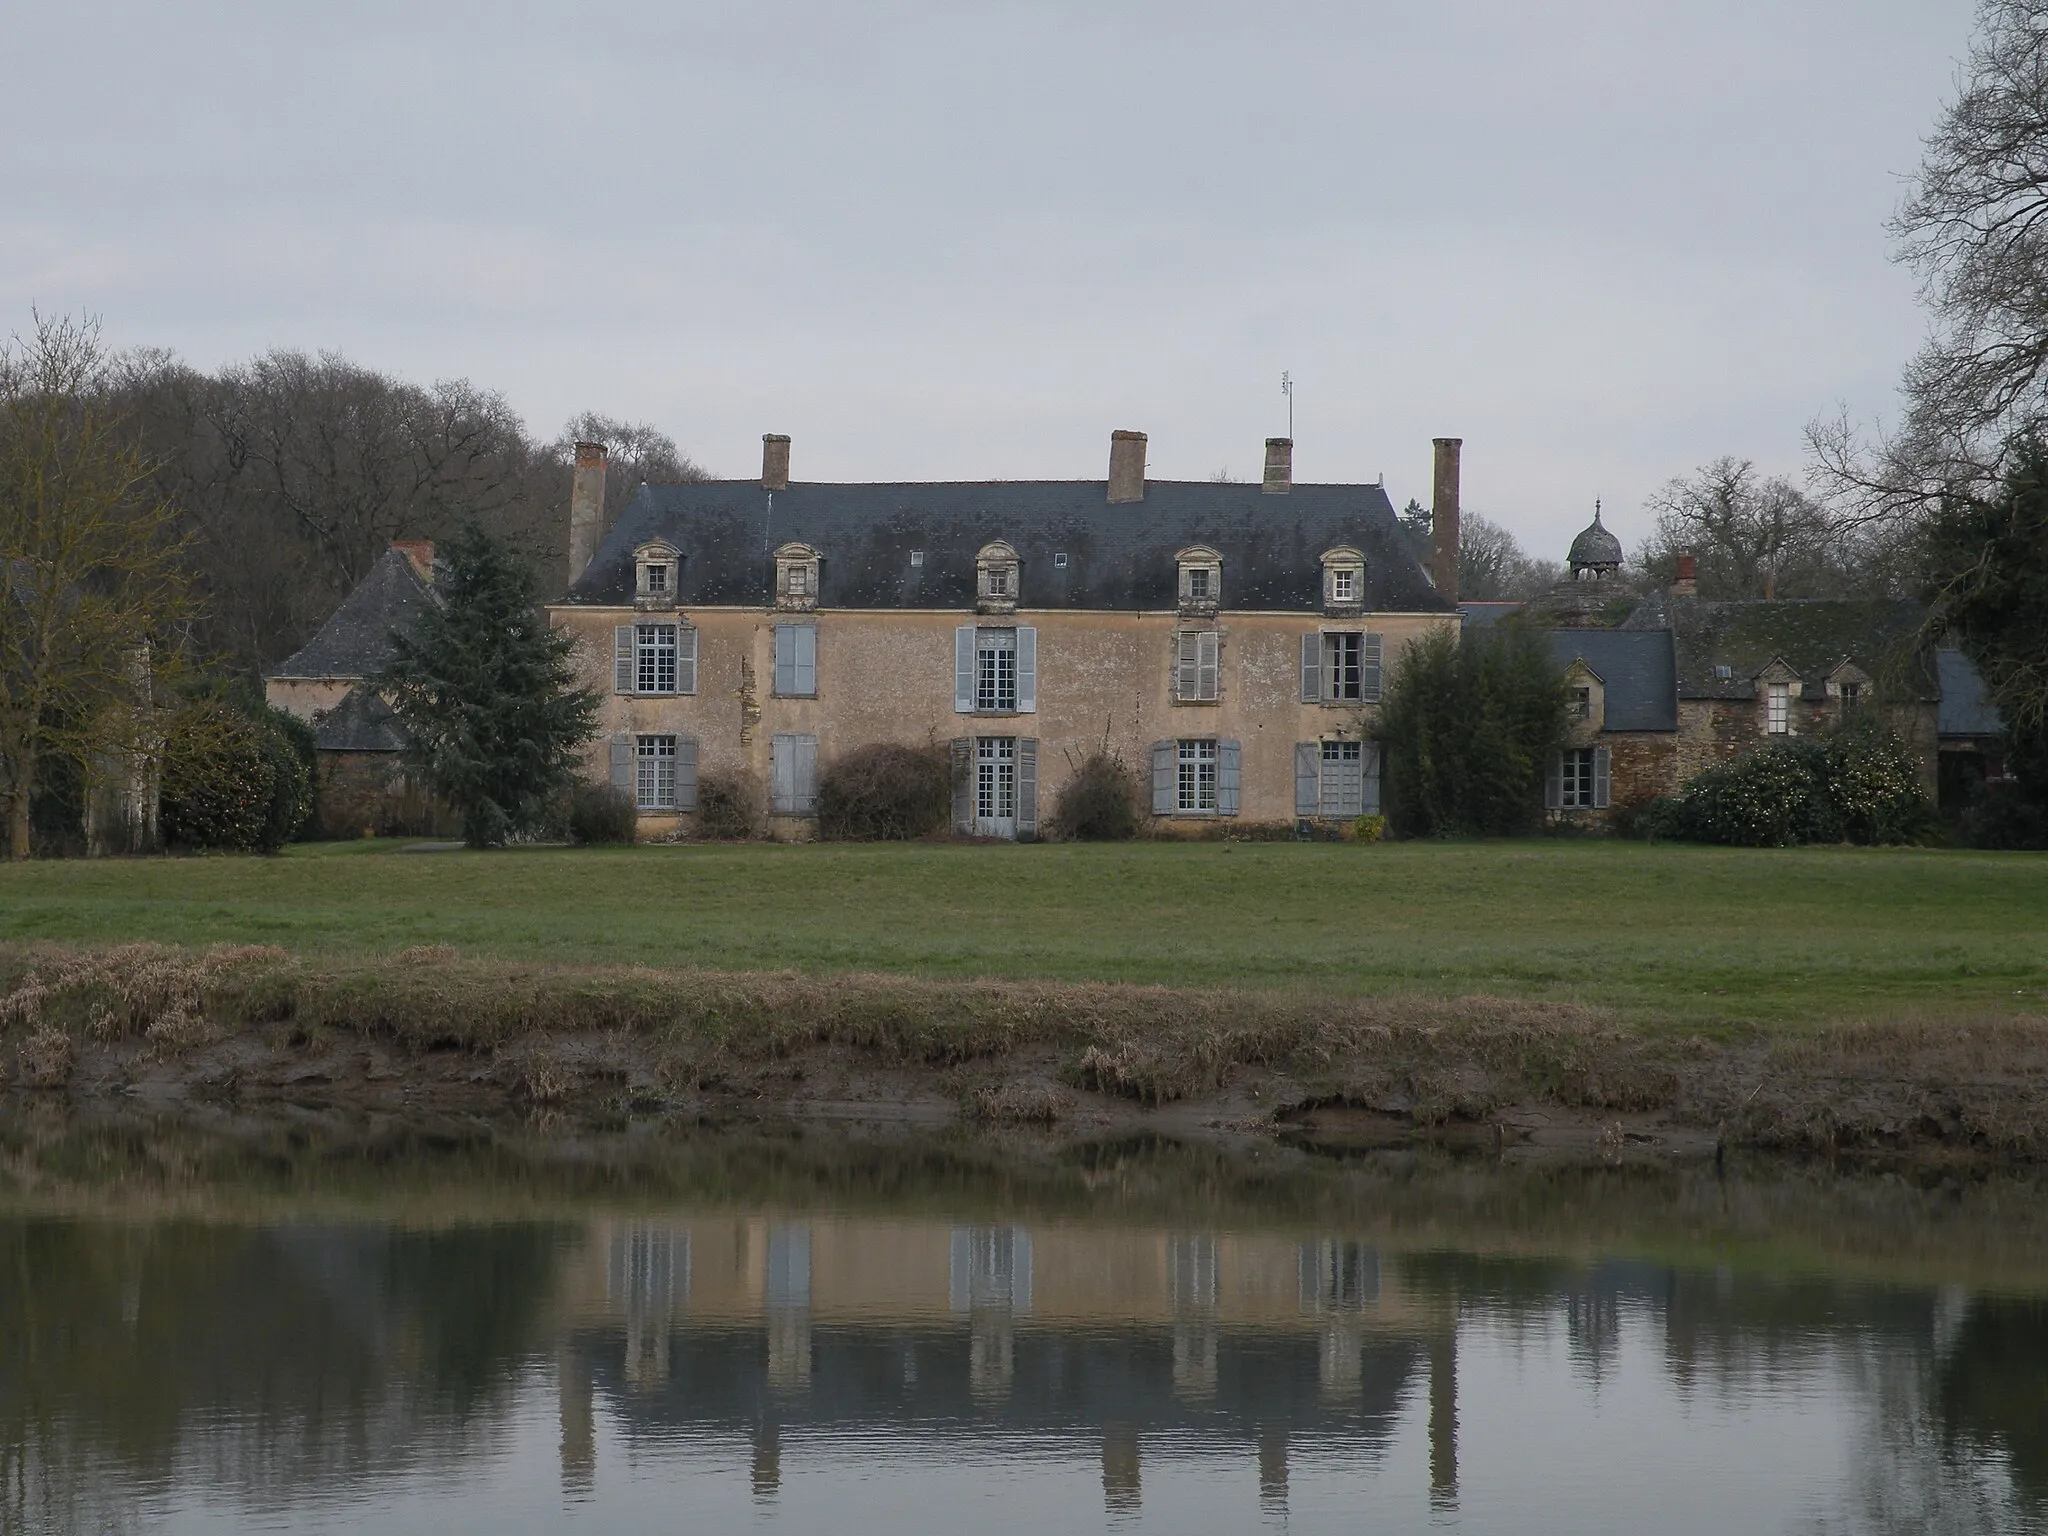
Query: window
1197	782
1339	666
998	583
1343	586
793	775
1199	580
1337	779
1852	695
995	783
654	778
1343	578
917	557
796	661
799	581
654	659
657	580
1195	673
995	670
654	564
1582	703
1578	780
1778	709
1059	561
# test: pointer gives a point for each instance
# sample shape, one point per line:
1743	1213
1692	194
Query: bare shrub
886	793
728	806
1099	803
46	1058
601	813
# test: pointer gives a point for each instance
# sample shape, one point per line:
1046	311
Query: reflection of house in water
767	1329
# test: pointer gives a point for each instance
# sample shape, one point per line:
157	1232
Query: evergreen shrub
1099	803
232	781
1856	784
601	813
886	793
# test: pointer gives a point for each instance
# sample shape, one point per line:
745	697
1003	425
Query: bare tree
1493	566
1754	535
93	582
640	454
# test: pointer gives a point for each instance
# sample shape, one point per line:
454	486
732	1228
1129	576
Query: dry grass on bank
577	1036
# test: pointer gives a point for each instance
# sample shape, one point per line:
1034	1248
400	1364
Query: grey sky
1602	240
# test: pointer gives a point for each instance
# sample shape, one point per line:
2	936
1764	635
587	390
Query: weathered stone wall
1711	731
889	677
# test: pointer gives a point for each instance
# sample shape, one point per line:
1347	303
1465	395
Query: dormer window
1343	581
654	578
796	577
1200	583
997	578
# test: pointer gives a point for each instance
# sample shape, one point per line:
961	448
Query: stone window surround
657	571
1198	565
998	577
797	572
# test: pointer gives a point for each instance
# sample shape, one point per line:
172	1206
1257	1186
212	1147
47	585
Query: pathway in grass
1692	936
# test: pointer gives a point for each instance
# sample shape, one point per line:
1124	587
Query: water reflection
927	1361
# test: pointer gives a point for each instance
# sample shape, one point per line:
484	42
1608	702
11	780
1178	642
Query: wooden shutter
1312	669
1164	766
1603	771
622	659
1027	670
1187	666
1553	783
1208	681
782	773
785	662
963	782
1229	766
622	763
686	773
1308	762
1369	667
807	775
963	670
686	670
1330	788
1371	767
806	660
1027	786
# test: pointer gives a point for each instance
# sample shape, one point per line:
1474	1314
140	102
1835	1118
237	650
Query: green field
1688	935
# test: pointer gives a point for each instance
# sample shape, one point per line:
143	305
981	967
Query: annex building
1229	639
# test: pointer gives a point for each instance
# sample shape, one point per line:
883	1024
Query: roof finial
1596	511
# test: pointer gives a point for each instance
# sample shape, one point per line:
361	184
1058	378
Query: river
317	1328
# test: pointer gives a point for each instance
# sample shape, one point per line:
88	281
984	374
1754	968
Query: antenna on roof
1287	389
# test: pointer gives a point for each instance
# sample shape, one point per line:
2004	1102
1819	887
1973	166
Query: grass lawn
1696	936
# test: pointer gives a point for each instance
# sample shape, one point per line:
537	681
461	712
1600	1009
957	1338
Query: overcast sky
1601	240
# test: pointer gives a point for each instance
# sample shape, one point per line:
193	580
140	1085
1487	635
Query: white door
995	786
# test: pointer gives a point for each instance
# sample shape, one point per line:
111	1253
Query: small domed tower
1596	553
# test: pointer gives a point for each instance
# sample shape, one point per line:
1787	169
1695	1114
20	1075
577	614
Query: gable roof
1966	710
1636	671
361	722
1812	636
1117	555
356	639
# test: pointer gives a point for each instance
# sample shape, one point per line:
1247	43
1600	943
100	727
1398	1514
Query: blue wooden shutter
686	773
1208	678
782	773
1312	669
806	660
785	661
963	670
1369	667
1027	786
686	661
1229	766
1164	766
1308	763
807	775
1603	769
1372	778
1027	670
1187	666
963	782
622	659
1553	783
622	763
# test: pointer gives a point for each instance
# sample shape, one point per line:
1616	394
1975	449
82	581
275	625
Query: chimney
1279	465
420	552
1126	466
1687	582
586	508
774	461
1443	517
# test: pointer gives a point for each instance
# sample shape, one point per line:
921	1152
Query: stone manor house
1228	640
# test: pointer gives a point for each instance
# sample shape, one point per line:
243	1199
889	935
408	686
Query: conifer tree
486	692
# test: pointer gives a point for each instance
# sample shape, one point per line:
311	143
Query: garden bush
601	813
1099	803
232	781
728	806
1856	784
2004	816
886	793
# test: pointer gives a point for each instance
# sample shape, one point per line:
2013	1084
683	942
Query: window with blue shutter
1372	778
1027	786
686	773
1312	669
1027	669
1195	673
1308	762
793	763
686	659
622	659
1163	777
1229	772
796	661
963	782
622	764
1369	667
963	669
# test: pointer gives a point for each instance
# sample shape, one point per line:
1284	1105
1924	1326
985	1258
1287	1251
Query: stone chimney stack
774	461
1687	582
1279	466
586	507
1443	517
1126	466
420	552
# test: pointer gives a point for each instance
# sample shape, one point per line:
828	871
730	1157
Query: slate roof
1965	710
356	639
1117	556
1880	636
361	722
1637	670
